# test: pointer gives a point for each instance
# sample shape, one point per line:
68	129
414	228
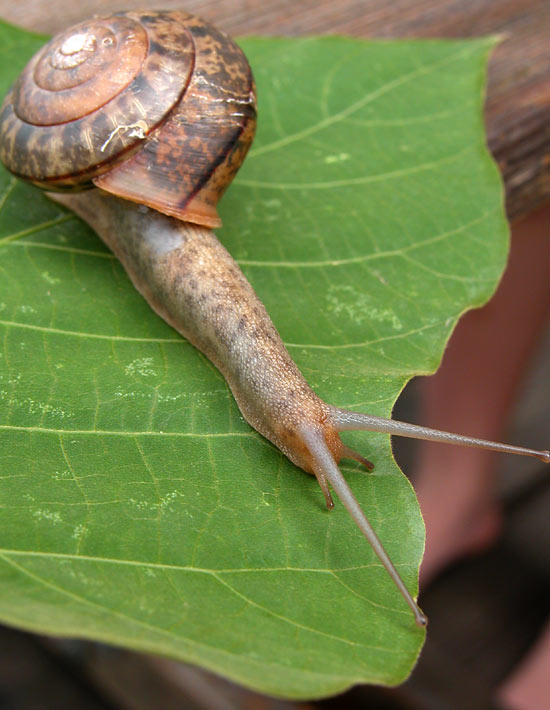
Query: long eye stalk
326	468
345	420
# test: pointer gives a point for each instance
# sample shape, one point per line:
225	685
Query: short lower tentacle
348	453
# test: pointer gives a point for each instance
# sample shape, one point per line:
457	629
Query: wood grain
518	96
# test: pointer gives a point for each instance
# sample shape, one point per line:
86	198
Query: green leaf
138	507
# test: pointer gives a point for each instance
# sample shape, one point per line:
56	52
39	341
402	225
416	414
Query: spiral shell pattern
158	108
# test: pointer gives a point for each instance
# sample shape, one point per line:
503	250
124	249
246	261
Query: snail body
148	183
193	283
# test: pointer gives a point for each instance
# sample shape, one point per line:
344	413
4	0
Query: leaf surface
137	507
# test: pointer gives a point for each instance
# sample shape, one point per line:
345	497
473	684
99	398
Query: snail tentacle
323	484
348	453
346	420
325	467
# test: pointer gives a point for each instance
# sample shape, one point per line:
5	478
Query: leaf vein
362	102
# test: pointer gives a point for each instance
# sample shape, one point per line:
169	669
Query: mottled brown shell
156	107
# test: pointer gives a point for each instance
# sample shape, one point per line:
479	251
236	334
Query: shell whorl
158	108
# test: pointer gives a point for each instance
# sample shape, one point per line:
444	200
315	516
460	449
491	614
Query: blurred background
486	611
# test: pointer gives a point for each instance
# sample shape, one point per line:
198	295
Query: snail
138	122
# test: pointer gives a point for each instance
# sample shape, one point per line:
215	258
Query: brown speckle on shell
200	157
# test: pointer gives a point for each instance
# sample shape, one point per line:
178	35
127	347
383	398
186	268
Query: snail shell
169	127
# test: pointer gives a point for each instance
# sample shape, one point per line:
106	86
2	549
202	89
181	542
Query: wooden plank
518	97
